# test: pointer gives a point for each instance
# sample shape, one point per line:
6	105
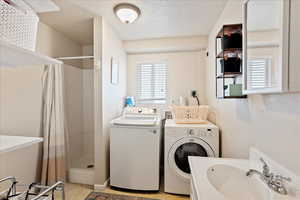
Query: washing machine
135	146
181	141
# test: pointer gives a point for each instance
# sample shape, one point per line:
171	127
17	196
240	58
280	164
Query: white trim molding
103	186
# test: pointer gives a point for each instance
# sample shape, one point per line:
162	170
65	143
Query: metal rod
13	179
76	58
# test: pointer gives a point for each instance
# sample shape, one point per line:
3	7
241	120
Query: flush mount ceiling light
127	13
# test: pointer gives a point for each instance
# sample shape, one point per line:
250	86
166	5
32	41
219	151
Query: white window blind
259	73
152	83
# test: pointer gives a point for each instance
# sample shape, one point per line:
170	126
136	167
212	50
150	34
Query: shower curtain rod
75	58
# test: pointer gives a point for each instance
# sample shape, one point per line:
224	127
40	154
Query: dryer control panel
191	130
202	132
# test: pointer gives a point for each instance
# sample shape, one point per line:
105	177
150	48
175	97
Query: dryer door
182	149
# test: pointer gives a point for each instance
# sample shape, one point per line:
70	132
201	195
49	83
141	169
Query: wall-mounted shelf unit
13	56
229	62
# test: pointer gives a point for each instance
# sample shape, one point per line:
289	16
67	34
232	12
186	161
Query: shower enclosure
79	104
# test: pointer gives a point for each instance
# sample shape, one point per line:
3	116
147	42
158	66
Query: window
152	83
259	73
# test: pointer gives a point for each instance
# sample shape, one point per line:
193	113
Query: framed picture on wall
114	71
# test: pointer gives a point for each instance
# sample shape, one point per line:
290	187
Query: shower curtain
53	126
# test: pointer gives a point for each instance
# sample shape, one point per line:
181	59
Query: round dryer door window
182	149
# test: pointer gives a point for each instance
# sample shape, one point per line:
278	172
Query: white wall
166	45
21	92
98	126
112	95
24	164
73	80
79	104
55	44
269	122
20	100
88	103
88	113
21	87
186	72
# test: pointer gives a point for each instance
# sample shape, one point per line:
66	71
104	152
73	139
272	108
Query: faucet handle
266	168
283	178
263	161
277	183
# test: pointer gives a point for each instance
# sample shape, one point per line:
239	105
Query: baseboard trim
101	187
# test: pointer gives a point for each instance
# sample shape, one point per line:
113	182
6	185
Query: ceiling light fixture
127	13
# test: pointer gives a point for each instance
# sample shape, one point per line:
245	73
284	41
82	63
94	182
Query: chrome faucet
265	174
253	171
275	182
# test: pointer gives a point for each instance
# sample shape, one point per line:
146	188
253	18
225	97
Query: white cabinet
193	195
271	46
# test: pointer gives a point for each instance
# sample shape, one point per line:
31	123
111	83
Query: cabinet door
265	50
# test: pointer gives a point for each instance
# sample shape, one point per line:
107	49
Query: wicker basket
190	114
19	24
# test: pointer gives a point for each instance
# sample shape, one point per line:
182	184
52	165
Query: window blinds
152	83
258	72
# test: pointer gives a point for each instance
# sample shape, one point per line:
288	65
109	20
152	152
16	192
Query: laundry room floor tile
80	192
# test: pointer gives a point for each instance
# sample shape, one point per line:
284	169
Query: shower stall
79	105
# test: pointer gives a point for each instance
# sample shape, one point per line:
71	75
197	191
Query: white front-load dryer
182	141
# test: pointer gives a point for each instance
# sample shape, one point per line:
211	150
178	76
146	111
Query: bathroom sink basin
233	183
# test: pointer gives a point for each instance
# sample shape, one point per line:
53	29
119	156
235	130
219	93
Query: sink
225	179
233	183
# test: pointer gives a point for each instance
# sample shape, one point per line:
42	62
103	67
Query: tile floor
80	192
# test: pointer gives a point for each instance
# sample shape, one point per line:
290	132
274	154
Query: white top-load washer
135	142
181	141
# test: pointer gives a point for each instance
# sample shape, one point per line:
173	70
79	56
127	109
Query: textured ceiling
72	21
159	18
